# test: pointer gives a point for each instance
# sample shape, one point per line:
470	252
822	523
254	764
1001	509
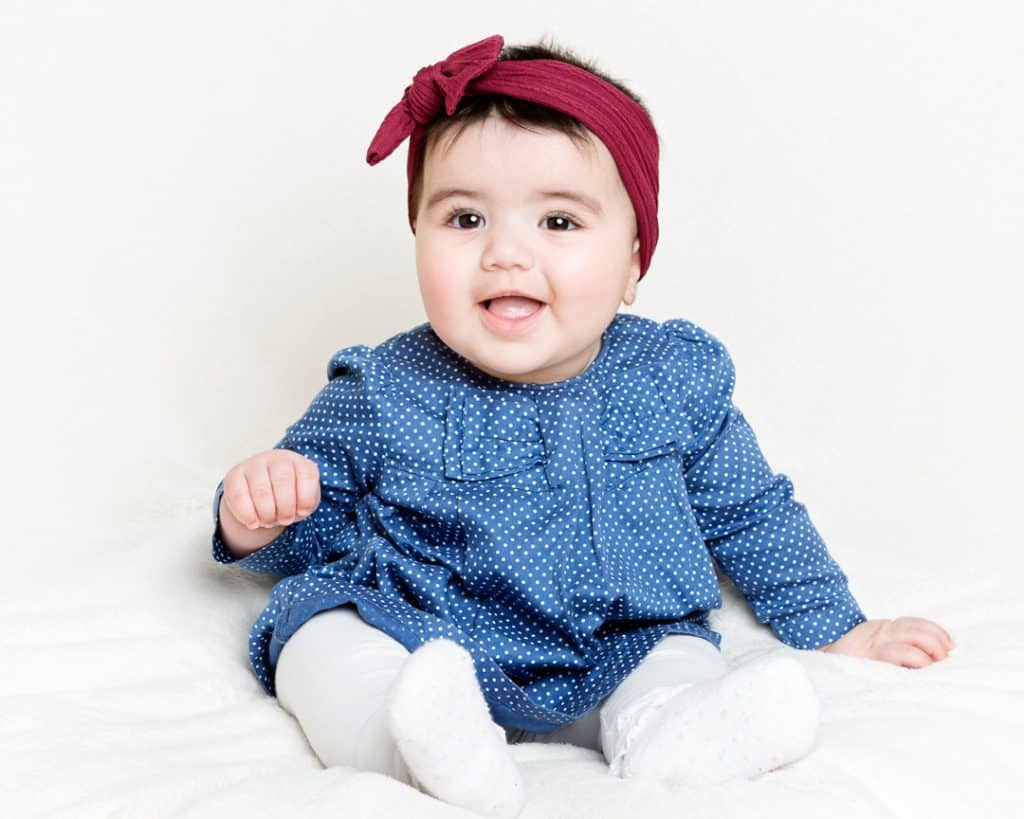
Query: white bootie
761	715
444	732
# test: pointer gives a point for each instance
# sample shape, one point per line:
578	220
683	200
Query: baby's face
506	231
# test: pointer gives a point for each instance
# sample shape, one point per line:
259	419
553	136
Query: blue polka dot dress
556	531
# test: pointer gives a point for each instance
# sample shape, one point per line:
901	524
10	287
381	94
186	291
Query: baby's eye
563	219
458	214
563	222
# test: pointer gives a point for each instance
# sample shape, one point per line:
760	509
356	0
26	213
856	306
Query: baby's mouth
512	307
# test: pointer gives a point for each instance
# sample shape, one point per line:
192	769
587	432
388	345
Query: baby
500	524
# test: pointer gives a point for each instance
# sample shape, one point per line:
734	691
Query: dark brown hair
520	113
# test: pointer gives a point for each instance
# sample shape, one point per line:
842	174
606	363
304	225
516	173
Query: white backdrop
189	230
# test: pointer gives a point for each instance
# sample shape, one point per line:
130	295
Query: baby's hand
911	642
273	488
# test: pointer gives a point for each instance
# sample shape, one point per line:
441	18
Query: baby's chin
523	375
520	361
543	372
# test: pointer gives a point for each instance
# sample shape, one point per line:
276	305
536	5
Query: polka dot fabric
556	531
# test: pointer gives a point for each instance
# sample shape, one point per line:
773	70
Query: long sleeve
758	533
339	433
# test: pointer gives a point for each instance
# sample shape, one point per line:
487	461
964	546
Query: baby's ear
634	275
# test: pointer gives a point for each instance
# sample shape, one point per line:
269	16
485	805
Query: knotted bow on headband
620	123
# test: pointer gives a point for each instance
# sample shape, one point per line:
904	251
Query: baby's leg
683	717
365	702
446	735
334	675
678	661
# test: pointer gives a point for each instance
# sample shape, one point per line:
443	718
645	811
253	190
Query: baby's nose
508	247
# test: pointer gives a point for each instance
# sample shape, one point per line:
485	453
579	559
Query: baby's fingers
282	479
262	491
307	484
238	498
931	626
904	654
926	635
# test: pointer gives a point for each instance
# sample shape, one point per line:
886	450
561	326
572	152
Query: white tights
334	675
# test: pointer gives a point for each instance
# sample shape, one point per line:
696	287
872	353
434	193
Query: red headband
621	124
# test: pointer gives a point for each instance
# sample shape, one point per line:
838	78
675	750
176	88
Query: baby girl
504	524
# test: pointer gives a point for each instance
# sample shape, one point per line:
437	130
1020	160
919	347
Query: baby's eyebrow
587	201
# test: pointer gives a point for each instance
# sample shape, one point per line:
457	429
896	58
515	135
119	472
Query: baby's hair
520	113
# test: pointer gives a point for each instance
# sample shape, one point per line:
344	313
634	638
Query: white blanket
127	692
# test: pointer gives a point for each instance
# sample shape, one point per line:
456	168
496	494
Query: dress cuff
818	627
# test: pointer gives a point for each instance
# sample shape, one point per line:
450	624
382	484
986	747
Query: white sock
759	716
444	732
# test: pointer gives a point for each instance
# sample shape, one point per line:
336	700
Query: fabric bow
443	83
489	435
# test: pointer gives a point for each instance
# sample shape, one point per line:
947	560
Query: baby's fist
272	488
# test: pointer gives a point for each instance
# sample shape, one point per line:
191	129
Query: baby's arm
338	434
764	539
757	532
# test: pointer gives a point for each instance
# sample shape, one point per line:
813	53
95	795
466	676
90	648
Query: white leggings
335	672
